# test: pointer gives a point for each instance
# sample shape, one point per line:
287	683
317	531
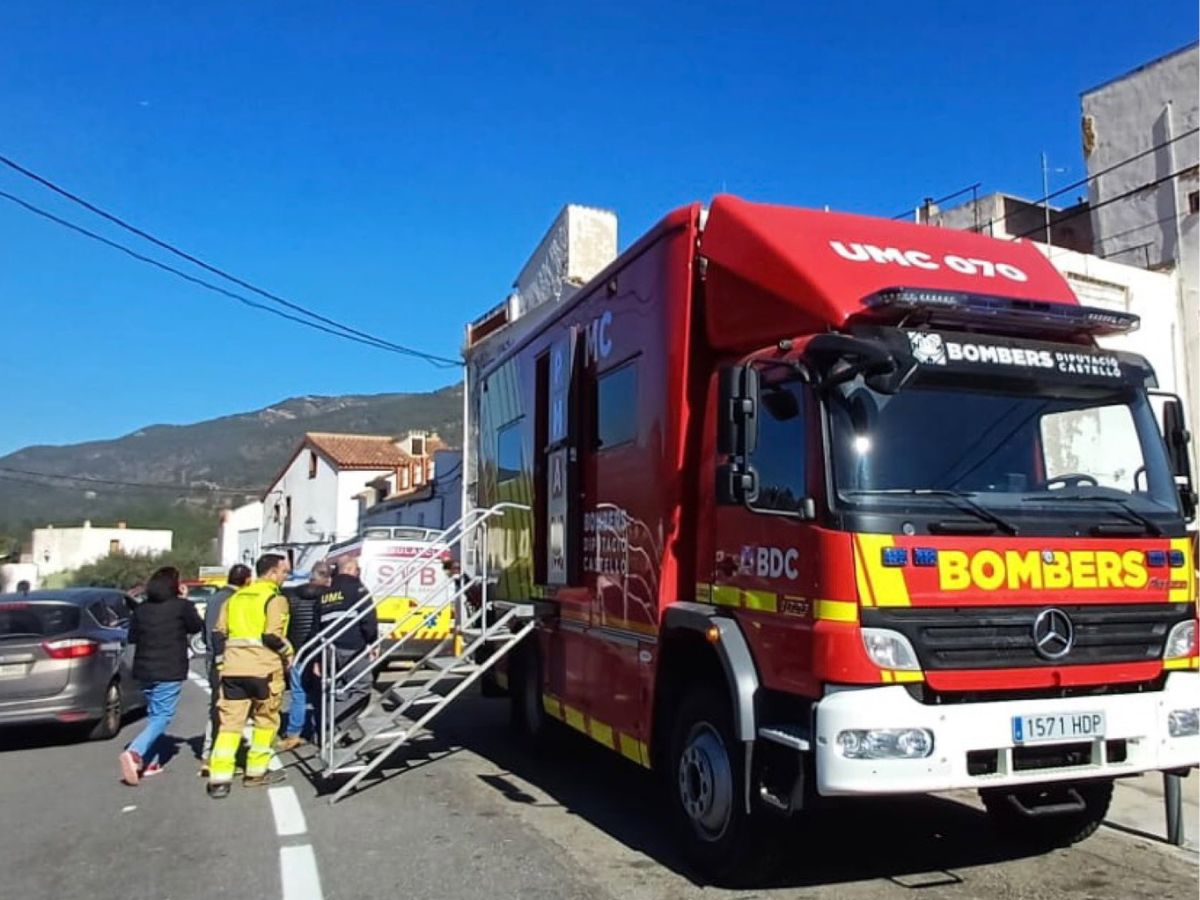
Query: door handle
727	565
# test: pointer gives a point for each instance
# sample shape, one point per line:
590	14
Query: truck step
796	737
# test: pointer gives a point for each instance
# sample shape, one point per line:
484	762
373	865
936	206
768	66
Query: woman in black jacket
159	632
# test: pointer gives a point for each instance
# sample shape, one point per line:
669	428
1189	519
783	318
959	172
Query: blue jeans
162	697
298	720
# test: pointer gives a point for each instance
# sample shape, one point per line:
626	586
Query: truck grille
1002	637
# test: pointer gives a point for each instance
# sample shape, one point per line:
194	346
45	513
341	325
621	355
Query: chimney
120	524
87	523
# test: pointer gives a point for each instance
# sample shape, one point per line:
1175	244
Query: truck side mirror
737	485
737	411
1177	439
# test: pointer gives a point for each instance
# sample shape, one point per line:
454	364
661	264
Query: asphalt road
466	814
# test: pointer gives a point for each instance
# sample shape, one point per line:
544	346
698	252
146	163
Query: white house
239	536
66	549
317	497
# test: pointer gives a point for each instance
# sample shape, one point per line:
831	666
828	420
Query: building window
312	463
418	474
114	547
616	407
402	479
1194	202
418	446
277	514
509	459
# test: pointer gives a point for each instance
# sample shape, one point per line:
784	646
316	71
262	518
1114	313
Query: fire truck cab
821	505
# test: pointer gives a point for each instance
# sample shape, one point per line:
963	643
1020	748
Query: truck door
765	566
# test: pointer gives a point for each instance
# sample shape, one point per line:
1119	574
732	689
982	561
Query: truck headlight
890	649
886	743
1181	642
1184	723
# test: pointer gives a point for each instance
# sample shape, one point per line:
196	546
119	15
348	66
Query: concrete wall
1155	296
239	532
439	510
1155	227
66	549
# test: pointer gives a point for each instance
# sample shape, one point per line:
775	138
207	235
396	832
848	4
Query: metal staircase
483	633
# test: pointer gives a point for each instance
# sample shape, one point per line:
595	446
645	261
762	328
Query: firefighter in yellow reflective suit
253	654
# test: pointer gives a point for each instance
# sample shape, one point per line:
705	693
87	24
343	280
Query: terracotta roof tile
358	451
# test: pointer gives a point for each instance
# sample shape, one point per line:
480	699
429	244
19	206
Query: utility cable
115	245
109	482
441	361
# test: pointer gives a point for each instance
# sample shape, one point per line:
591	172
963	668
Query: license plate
1050	727
12	670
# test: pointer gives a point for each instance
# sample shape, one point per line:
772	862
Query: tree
127	570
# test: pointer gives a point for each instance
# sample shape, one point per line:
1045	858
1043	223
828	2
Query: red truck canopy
778	270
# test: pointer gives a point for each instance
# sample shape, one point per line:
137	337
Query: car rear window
25	619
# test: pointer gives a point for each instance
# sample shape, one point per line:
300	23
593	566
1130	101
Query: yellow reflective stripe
1183	662
893	676
759	601
886	584
574	718
553	706
600	732
865	596
704	593
629	749
722	595
1185	573
835	610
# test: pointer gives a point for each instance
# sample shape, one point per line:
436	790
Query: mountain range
180	461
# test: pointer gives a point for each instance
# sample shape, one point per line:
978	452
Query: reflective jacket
251	632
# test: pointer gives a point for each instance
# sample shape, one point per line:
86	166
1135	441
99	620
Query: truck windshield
1095	450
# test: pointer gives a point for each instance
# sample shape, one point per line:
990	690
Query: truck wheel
705	777
526	712
110	719
1051	815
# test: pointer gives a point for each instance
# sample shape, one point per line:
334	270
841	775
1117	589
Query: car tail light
71	648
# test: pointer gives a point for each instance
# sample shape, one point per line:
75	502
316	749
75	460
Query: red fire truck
821	505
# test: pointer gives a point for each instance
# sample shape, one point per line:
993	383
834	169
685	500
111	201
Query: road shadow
44	735
915	842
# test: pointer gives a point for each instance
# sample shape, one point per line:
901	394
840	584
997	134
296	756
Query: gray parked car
65	658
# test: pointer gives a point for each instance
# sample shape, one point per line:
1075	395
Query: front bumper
1138	721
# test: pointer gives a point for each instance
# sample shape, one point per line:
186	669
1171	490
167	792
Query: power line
1094	206
109	482
170	248
1078	184
208	285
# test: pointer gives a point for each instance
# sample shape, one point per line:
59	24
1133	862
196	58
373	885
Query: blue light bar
895	556
1177	559
960	308
925	556
1156	558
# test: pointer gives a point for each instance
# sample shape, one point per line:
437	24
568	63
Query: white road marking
126	809
200	681
298	873
289	817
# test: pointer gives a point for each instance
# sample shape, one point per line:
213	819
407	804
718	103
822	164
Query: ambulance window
779	457
616	407
508	452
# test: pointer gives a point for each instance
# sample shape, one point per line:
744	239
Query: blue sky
393	164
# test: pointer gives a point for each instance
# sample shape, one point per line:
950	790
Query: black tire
526	712
1048	831
110	722
705	776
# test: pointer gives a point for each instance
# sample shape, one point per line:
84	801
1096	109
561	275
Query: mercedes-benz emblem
1053	634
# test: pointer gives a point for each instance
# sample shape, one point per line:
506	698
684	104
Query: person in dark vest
159	630
304	607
